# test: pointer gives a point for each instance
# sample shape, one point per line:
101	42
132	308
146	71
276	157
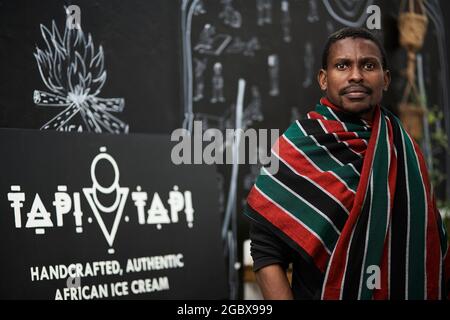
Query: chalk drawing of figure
251	46
206	38
330	27
313	16
286	21
295	114
200	66
199	8
230	16
253	111
217	84
264	12
274	74
308	62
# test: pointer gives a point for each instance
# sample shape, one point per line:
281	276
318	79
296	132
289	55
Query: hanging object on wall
412	24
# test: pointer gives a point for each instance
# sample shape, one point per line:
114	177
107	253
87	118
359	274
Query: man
351	206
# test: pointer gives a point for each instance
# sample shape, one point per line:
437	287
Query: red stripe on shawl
303	166
315	116
289	226
355	143
352	140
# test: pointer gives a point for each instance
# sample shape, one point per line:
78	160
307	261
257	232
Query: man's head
354	71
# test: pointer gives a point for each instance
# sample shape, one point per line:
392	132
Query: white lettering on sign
68	205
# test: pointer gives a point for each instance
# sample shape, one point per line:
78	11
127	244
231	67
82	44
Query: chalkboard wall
159	65
159	57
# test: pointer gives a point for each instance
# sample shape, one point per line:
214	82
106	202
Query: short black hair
350	32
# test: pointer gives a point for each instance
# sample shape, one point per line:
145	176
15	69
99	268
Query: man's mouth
356	92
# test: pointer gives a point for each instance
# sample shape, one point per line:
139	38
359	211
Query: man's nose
355	75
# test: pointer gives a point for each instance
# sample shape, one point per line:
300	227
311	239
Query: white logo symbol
97	188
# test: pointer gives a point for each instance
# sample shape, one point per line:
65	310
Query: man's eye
341	66
369	66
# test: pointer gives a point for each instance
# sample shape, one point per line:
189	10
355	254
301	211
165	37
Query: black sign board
86	216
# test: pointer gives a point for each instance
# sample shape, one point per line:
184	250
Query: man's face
354	79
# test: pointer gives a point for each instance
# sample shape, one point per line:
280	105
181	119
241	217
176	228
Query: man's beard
359	113
351	87
359	87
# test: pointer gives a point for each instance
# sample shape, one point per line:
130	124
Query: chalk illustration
313	16
351	13
253	111
74	72
247	48
264	12
221	187
250	178
206	37
200	67
230	16
274	74
295	114
211	43
286	21
330	27
199	8
217	84
308	62
349	8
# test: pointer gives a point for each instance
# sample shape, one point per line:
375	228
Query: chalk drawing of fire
74	72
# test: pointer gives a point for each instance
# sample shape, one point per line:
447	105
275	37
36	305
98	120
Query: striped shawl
354	199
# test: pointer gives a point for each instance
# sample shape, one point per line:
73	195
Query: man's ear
322	79
387	80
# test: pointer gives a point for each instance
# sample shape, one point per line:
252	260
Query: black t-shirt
267	248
